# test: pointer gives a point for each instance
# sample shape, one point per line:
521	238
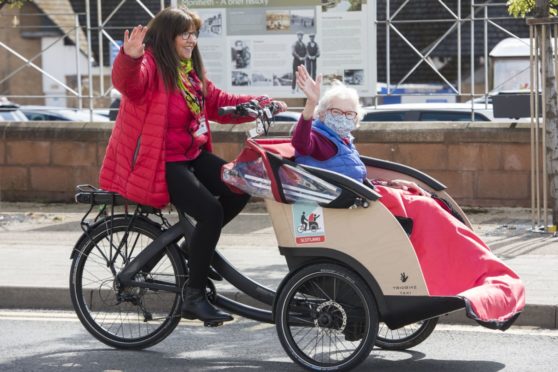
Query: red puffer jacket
134	164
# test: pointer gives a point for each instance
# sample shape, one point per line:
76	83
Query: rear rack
88	194
107	201
109	207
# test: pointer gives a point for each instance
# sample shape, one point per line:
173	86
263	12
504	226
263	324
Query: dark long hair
162	30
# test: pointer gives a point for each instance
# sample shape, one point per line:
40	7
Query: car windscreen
41	116
384	116
450	116
9	116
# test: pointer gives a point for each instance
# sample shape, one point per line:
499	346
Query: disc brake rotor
327	315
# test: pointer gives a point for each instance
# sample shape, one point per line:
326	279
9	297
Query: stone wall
482	164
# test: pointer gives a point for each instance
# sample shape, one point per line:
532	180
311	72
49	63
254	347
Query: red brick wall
482	165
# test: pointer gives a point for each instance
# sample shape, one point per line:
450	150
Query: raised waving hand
133	42
310	88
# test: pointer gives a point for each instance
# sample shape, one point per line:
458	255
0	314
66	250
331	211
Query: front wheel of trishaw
326	318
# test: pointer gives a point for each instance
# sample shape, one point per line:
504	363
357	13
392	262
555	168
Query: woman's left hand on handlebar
279	106
276	106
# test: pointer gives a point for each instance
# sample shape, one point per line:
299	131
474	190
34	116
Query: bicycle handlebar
239	110
253	109
226	110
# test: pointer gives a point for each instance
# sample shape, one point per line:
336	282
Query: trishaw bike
129	266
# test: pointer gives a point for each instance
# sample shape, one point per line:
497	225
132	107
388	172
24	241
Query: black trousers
196	188
311	67
296	62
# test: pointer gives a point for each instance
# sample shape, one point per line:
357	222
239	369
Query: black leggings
193	186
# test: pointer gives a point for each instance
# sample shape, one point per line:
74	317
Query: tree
12	3
536	8
542	10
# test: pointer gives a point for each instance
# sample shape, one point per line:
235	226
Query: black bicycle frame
148	258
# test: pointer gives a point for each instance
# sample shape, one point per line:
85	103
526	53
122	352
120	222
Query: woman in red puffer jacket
160	147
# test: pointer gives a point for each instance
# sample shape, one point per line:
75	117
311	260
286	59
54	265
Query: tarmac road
56	341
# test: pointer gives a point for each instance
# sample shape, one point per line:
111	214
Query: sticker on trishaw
308	223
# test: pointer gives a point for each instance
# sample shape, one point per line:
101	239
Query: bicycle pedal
212	324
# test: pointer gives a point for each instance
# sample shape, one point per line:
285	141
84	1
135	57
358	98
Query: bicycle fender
354	266
85	236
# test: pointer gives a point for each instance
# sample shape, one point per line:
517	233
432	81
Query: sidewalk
36	241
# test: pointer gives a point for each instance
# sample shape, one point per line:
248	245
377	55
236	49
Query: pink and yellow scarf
190	86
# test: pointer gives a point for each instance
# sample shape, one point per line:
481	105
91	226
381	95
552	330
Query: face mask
339	124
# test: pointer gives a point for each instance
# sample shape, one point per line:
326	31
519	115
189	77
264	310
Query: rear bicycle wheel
132	317
326	318
405	337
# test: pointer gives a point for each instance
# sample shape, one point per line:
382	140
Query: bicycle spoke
131	314
337	316
321	290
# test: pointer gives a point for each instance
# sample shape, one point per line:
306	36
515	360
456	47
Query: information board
253	46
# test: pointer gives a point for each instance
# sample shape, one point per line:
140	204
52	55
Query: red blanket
456	262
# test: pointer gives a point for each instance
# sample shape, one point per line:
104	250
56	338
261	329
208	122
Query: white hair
339	90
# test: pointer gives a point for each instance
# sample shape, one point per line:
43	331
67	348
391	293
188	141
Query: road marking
9	314
69	316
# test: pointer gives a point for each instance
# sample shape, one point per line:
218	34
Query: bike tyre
354	297
170	303
405	337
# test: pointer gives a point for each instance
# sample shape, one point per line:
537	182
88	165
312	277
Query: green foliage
520	8
13	3
523	8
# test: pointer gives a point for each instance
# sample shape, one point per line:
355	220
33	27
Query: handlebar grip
277	107
225	110
252	113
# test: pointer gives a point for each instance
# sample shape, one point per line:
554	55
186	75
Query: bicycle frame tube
246	311
241	281
170	236
152	253
253	313
232	275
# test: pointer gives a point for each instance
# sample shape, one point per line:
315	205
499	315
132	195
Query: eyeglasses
188	35
348	114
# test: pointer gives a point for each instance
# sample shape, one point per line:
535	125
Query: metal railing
541	133
91	96
73	33
96	94
479	12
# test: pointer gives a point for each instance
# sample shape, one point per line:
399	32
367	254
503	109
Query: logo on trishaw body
308	223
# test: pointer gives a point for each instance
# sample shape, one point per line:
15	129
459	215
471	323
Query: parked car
49	113
102	112
287	116
515	104
428	112
10	111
